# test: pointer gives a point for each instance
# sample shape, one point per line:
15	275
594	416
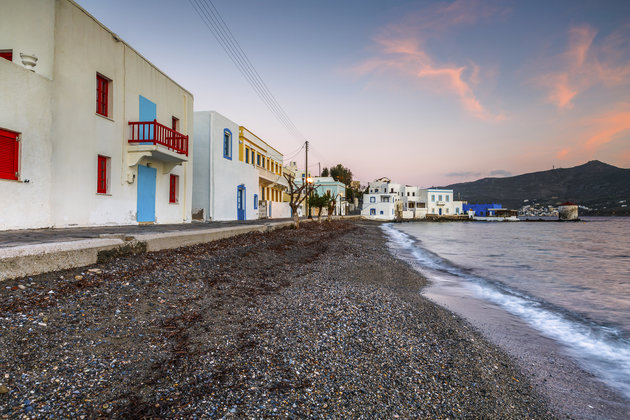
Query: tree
297	195
325	172
319	202
341	173
332	202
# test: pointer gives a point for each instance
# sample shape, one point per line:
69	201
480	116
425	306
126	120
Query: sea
568	281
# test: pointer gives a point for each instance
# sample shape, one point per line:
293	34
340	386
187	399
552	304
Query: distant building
91	132
327	185
568	211
481	210
439	202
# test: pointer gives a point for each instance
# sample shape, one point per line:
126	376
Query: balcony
158	142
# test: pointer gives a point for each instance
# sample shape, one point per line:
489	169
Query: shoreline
320	321
573	391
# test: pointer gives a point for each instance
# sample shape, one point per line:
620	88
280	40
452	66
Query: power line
219	29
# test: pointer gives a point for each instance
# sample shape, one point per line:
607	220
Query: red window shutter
174	123
102	86
172	196
101	183
9	155
7	55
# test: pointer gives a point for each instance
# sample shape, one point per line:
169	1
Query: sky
426	93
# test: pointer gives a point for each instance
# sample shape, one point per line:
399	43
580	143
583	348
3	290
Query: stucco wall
216	177
25	102
27	26
83	48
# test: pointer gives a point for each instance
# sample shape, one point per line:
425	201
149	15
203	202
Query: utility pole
307	208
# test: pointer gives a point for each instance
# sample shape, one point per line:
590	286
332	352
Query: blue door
240	202
146	193
147	112
440	211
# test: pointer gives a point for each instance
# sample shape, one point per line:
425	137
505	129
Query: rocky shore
318	322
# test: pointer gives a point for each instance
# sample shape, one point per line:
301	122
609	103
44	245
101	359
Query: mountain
603	188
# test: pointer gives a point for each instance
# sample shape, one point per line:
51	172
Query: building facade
439	202
254	151
224	186
91	133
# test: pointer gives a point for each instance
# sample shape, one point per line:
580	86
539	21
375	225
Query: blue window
227	144
372	212
372	199
381	211
255	201
246	155
258	159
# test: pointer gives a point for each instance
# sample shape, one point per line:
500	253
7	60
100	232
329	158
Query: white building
381	198
439	202
224	186
91	133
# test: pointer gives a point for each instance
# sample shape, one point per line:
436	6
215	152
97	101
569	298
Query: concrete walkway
35	251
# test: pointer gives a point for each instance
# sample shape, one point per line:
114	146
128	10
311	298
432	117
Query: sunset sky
425	92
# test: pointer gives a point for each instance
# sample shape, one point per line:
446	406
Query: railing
152	132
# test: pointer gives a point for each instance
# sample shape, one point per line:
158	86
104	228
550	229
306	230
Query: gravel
318	322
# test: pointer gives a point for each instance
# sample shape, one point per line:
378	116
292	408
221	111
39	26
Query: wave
601	349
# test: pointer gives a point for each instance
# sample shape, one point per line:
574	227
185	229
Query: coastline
315	322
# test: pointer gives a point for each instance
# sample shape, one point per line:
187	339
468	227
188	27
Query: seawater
569	281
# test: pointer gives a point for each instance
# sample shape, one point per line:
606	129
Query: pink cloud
608	128
585	64
401	48
563	153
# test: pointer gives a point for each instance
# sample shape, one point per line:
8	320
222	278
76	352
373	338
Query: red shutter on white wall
9	154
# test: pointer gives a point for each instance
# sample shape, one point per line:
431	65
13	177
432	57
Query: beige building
91	133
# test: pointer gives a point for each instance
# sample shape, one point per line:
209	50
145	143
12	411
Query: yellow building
268	161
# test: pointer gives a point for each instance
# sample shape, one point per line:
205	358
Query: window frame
12	136
175	123
173	189
102	175
255	201
103	96
7	55
227	143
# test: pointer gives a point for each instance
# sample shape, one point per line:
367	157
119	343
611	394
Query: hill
603	188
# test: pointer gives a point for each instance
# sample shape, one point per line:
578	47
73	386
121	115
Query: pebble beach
309	323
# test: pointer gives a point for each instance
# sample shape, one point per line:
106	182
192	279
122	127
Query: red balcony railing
152	132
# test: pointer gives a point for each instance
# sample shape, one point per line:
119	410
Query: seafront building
323	185
91	133
268	162
386	200
224	186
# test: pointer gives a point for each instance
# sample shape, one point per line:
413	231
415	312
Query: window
413	194
175	123
227	144
255	201
447	211
372	212
447	198
372	199
376	190
102	176
385	199
103	95
246	155
6	54
258	159
440	197
391	190
9	155
432	197
173	190
381	212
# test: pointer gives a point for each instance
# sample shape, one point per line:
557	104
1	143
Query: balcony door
146	193
147	112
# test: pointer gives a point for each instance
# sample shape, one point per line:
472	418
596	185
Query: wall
25	105
28	26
